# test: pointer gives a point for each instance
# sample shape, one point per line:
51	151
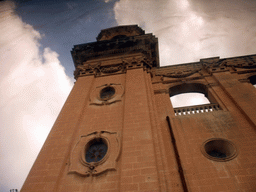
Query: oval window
96	150
107	92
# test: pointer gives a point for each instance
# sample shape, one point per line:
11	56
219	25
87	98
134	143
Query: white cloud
192	29
33	88
189	99
189	30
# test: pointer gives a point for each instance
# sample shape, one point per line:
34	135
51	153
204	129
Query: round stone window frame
78	164
95	98
92	165
224	145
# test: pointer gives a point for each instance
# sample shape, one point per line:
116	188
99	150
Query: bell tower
118	130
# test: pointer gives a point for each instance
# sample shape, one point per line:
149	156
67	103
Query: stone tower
118	130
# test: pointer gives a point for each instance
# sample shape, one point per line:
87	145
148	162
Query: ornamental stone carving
102	69
79	163
115	93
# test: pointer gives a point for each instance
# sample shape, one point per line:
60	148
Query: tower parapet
117	49
120	31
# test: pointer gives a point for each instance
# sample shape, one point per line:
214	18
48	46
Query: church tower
118	130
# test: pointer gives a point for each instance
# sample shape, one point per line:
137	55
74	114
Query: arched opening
189	99
188	88
253	80
192	98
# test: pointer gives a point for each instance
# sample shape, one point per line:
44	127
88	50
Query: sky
36	67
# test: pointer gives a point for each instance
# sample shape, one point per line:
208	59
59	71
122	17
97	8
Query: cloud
189	30
192	29
33	88
189	99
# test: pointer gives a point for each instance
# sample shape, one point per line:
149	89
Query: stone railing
196	109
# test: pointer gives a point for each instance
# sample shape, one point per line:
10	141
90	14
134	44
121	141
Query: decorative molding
179	74
95	95
248	71
246	62
145	44
210	65
178	71
78	163
213	63
160	91
103	70
209	85
244	80
217	69
179	80
111	69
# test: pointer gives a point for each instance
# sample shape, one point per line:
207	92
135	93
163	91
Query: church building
118	130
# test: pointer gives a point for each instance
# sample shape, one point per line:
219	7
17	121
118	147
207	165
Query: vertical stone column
242	97
164	108
138	161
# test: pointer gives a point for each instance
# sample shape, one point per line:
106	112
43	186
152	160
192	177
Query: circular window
107	92
96	150
219	149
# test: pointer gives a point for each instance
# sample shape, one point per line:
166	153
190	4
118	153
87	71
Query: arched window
253	80
191	98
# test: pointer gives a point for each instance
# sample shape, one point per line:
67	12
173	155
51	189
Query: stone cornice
118	68
103	57
244	64
146	44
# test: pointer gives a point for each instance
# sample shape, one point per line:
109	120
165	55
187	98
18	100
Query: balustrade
196	109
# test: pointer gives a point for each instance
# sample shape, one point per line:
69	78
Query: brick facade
151	146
